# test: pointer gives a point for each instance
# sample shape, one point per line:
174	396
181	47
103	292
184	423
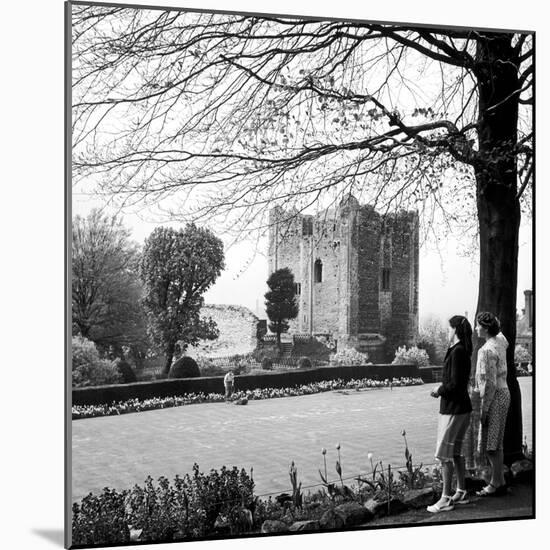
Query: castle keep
356	274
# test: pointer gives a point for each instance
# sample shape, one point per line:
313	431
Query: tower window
385	278
318	271
307	227
297	289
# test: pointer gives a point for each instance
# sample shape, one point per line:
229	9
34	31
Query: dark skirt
450	435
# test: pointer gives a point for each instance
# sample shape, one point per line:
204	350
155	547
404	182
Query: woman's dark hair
463	331
488	321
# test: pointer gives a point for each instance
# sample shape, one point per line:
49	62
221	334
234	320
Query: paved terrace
119	451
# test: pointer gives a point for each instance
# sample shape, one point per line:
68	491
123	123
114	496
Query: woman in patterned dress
494	399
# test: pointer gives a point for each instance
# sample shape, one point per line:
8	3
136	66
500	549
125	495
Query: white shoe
444	504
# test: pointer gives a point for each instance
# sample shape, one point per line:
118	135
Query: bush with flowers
190	507
89	369
521	354
349	356
411	356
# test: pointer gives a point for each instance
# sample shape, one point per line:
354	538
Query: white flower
369	456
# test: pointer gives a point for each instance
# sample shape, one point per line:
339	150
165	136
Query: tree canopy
106	290
177	268
231	113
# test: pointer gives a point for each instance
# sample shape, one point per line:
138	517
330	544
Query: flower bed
115	393
223	503
199	506
137	405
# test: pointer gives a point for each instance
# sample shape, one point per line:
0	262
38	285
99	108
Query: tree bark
170	350
498	208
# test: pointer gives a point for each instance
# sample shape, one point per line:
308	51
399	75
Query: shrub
218	493
125	370
267	363
100	520
89	369
521	355
241	368
155	510
272	352
188	508
428	345
184	367
208	368
413	355
316	348
348	356
520	371
304	363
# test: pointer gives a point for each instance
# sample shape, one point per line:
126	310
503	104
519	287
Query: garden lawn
119	451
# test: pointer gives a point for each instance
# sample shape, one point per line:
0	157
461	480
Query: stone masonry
237	326
356	274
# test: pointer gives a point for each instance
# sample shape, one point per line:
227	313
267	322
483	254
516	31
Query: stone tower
356	274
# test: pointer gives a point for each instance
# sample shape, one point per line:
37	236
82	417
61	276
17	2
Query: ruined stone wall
369	226
325	293
354	244
288	245
237	326
385	294
402	326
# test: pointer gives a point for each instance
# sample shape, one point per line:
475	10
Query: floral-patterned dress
490	397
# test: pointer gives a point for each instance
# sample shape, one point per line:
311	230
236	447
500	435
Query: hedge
98	395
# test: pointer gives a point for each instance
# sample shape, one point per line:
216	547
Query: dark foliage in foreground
187	508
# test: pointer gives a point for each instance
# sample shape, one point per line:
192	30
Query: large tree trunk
498	208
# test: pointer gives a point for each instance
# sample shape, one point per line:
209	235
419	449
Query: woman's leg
495	474
496	458
501	462
447	473
460	472
496	426
445	503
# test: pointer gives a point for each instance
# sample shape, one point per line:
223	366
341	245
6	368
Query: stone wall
402	327
369	270
354	244
237	326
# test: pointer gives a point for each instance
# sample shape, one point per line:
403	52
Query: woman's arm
457	364
487	379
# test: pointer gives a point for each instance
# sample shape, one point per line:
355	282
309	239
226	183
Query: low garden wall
431	374
98	395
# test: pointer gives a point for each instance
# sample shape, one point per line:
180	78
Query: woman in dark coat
454	413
